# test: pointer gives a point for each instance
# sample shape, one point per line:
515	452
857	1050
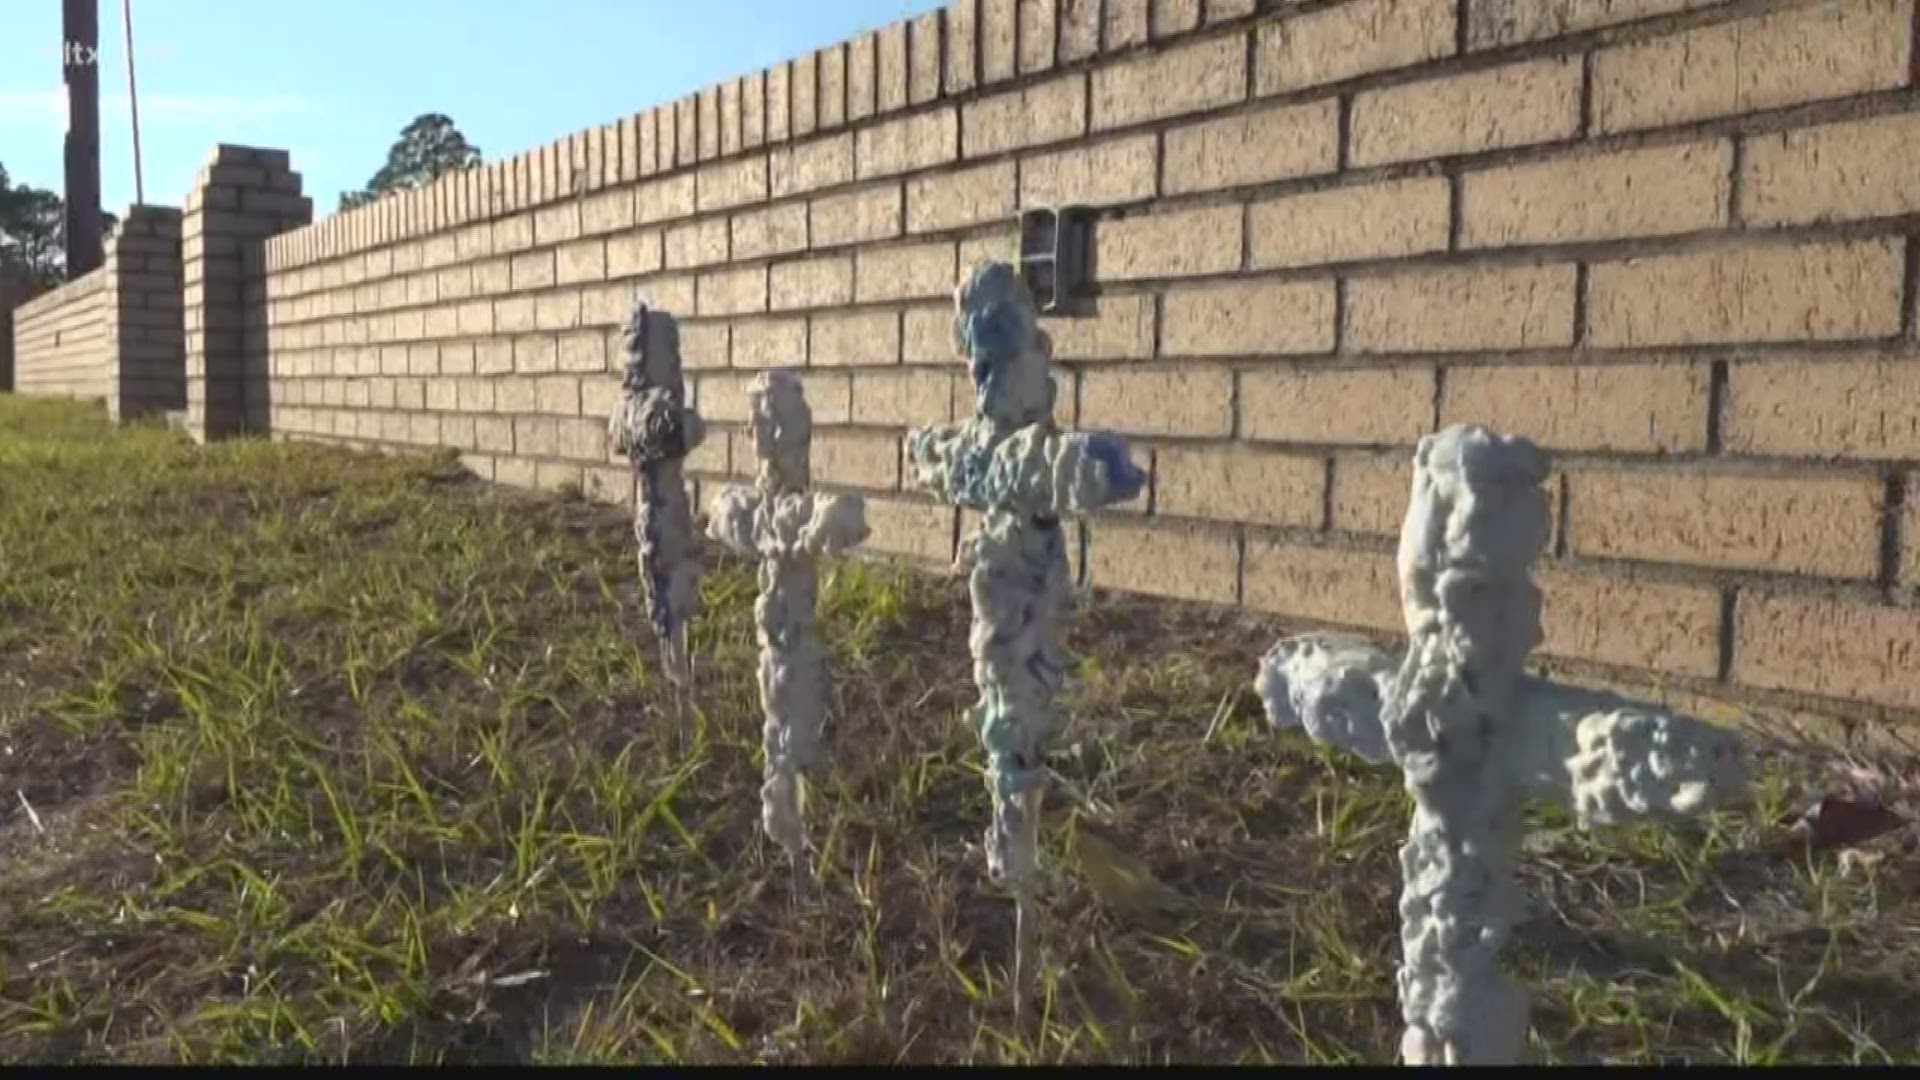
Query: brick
556	224
535	355
867	337
926	335
1494	23
1827	526
731	292
708	129
1370	493
584	351
1837	648
1124	23
803	167
962	73
773	231
920	531
583	261
1374	221
1515	105
660	200
609	211
779	102
730	117
1254	148
722	398
1117	327
912	142
1078	29
703	344
1617	620
700	243
923	58
1805	54
1370	406
1038	34
998	27
634	253
768	343
673	293
805	95
1838	172
1461	309
861	459
1173	82
1775	292
1177	244
955	200
908	397
1193	401
1647	408
731	183
856	216
1181	563
1352	39
1322	584
1251	318
1048	112
1852	408
753	110
825	282
533	270
1653	192
904	272
1240	483
1114	171
1170	17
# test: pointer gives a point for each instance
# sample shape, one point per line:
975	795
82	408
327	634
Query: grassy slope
335	756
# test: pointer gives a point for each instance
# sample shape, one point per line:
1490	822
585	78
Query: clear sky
334	82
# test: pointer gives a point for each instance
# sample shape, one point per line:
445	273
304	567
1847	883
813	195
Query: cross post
1024	474
786	526
656	430
1475	736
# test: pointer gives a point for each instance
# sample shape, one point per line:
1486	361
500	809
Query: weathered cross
1475	736
1010	462
655	429
787	526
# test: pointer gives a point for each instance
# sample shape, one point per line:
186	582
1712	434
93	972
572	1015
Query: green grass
349	758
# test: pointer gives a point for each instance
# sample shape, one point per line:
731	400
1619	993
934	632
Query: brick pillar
145	340
240	198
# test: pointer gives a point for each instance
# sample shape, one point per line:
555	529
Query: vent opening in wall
1053	256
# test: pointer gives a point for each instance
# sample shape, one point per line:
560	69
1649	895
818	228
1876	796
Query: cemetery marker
786	526
1475	735
1011	463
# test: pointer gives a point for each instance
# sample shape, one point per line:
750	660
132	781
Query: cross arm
1034	470
732	519
1609	759
839	522
1332	685
1606	758
652	424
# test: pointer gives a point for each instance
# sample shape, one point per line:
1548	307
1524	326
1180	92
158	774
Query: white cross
786	526
1010	462
656	430
1475	735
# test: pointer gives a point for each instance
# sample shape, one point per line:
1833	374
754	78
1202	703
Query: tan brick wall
113	335
60	342
1668	239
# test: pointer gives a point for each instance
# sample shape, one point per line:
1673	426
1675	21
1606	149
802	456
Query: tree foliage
429	147
32	231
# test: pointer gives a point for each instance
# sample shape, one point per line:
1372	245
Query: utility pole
133	103
79	55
